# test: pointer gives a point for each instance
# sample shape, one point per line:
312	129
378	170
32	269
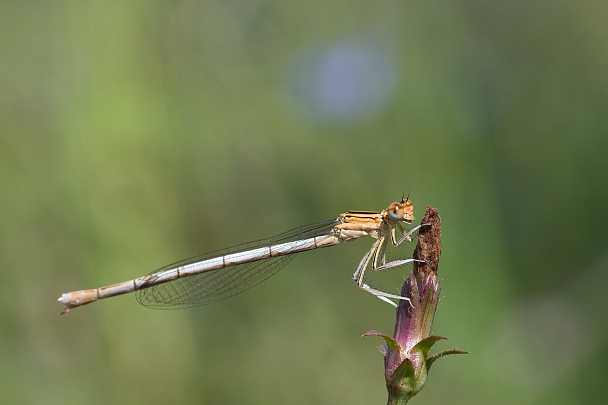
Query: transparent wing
216	285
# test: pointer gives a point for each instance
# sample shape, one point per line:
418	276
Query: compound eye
395	212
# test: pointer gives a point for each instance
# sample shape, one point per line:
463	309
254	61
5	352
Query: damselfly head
402	211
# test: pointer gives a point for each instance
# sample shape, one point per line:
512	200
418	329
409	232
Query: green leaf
432	359
405	371
390	342
425	345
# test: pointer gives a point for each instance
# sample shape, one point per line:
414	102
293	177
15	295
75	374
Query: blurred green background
134	134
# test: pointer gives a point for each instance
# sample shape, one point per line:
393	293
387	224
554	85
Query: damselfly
221	274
